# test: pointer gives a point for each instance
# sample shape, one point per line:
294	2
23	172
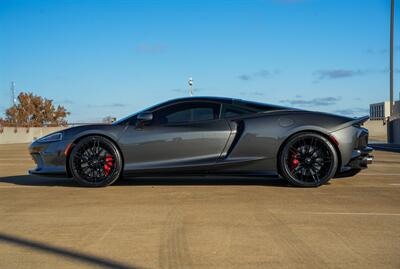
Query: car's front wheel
308	160
95	162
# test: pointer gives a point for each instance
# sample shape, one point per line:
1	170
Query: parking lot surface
199	222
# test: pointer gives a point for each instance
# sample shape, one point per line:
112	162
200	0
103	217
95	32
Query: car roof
225	100
204	98
257	106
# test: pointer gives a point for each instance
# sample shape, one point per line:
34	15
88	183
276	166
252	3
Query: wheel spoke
312	173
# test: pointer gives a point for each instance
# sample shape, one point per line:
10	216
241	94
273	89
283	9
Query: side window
231	111
187	112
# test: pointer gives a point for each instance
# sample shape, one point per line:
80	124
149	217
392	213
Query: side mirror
145	117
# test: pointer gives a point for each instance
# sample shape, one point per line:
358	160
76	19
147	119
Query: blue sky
101	58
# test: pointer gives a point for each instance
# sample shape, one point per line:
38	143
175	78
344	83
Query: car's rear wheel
95	162
308	160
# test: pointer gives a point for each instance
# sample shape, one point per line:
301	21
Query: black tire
95	161
308	160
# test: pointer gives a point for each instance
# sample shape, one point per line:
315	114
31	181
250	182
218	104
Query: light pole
391	55
393	127
190	86
12	89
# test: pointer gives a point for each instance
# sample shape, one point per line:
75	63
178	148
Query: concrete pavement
199	222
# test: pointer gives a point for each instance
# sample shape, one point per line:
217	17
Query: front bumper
49	158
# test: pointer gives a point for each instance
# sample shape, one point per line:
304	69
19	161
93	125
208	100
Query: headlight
51	138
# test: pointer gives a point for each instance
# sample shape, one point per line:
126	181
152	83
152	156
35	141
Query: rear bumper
361	158
353	147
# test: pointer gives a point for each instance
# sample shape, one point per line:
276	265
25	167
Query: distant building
381	111
109	119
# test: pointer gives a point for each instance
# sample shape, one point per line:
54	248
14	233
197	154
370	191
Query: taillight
334	140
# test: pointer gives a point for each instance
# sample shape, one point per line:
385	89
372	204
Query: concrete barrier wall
377	130
11	135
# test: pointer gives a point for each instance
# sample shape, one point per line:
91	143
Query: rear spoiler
360	120
357	121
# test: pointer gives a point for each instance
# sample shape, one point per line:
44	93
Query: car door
188	135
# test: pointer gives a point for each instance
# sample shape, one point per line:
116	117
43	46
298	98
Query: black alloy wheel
308	160
95	162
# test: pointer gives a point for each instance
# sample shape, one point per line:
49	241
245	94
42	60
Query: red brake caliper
295	163
108	165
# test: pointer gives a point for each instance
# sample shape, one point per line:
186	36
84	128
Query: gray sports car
209	135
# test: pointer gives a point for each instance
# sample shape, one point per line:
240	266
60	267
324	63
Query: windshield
127	118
